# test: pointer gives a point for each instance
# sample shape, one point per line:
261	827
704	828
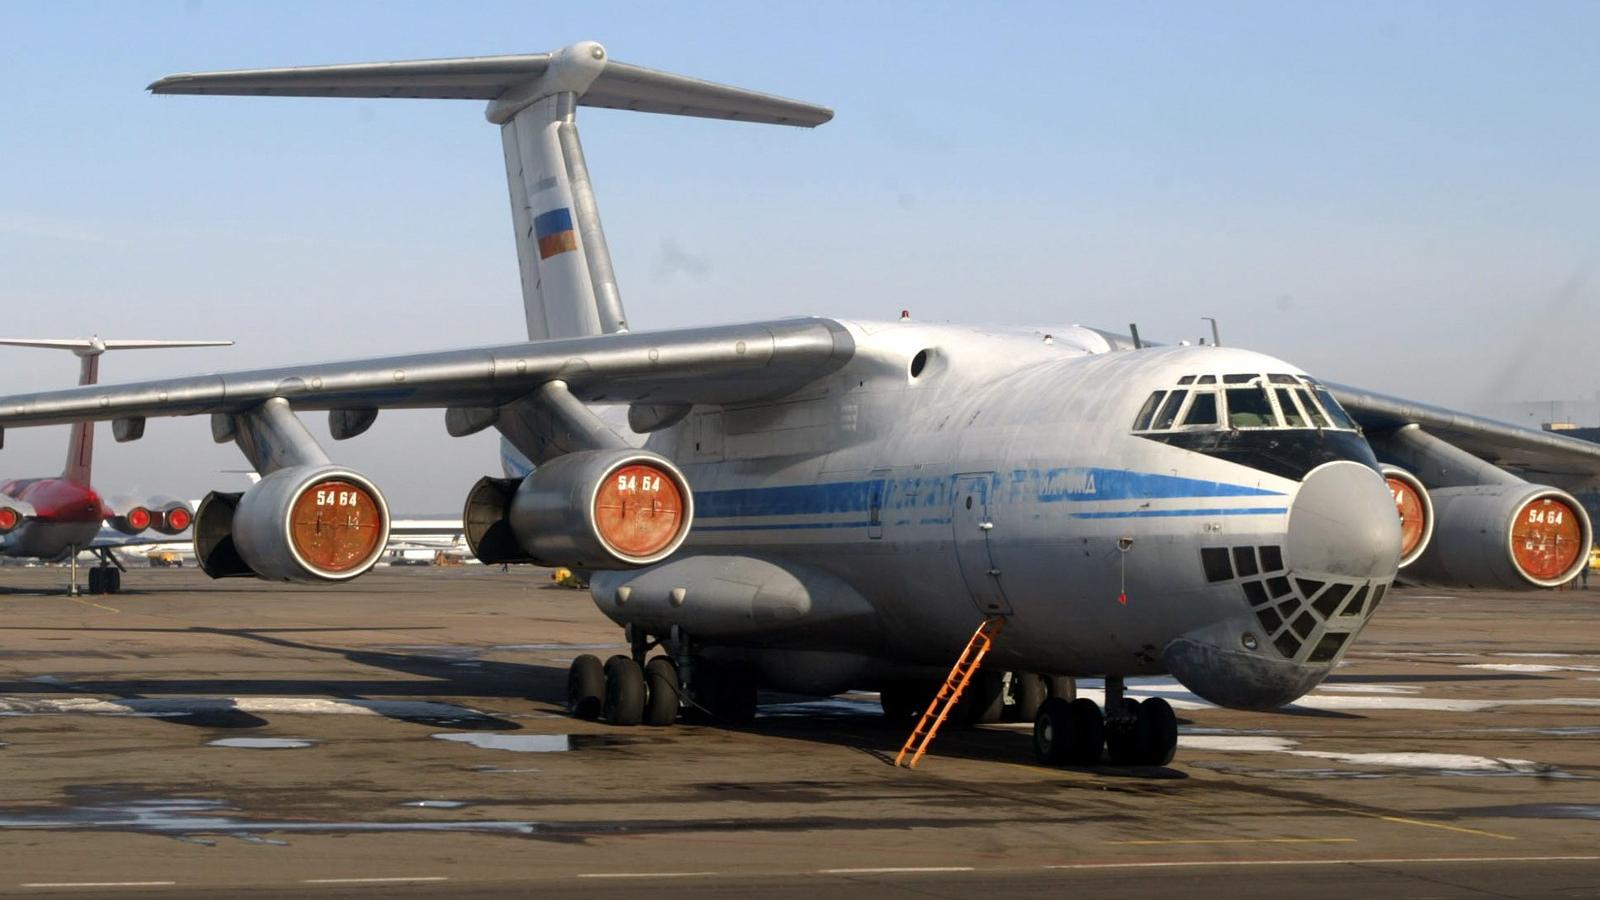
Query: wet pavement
403	735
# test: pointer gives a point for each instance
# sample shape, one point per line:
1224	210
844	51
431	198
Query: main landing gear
105	578
1130	733
639	689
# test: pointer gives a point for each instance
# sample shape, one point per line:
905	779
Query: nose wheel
1077	733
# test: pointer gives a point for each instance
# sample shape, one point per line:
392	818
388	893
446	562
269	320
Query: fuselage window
1292	414
1283	379
1148	411
1239	379
1187	379
1202	410
1169	410
1207	379
1250	408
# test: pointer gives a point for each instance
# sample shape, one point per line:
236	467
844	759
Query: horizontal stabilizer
83	346
618	86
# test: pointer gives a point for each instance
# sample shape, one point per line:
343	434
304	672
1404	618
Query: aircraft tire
113	580
1028	693
95	582
624	704
662	689
1052	729
1160	731
1088	733
586	687
1128	737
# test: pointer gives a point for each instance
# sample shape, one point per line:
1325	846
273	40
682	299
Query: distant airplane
56	518
826	504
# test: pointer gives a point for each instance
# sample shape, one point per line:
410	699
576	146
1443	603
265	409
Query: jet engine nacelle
169	516
308	523
10	517
1504	535
594	509
134	521
1415	507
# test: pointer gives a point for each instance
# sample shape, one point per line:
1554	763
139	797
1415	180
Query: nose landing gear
1133	733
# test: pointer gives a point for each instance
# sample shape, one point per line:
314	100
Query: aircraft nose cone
1343	524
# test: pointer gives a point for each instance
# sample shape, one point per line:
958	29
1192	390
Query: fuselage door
974	528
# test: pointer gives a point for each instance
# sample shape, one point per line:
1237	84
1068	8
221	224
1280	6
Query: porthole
918	363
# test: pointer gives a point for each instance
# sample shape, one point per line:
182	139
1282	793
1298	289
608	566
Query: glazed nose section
1343	524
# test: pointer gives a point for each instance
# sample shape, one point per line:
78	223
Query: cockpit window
1341	419
1148	411
1245	400
1202	409
1293	416
1169	410
1250	408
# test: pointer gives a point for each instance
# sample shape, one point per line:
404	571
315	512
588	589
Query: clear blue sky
1404	196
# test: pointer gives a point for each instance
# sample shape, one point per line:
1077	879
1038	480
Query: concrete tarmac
403	736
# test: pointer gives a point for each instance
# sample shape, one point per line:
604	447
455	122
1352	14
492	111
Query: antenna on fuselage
1133	331
1215	340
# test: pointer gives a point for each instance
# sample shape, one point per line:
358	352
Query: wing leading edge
728	364
1505	445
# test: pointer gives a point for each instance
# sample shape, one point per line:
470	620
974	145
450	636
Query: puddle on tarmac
1375	765
535	743
435	804
261	743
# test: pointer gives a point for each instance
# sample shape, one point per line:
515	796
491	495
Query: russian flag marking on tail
553	231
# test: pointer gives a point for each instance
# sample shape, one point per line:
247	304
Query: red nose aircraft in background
59	517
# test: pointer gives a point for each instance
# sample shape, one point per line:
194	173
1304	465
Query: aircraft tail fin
80	445
568	286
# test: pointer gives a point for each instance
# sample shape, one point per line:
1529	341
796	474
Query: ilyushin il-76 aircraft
58	517
816	504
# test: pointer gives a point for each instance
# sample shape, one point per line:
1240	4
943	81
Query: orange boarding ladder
954	686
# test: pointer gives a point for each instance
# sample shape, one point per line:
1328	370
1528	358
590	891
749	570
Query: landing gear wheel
1128	735
113	580
1161	731
1051	731
624	703
586	687
1028	693
1069	733
96	581
661	683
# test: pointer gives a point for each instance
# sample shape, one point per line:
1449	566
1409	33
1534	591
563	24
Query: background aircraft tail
80	446
568	286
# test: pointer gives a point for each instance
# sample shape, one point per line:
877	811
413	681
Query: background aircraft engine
1504	535
9	519
1411	500
594	509
134	521
312	523
169	516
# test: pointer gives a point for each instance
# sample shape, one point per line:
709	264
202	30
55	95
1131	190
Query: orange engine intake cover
335	525
1546	538
638	510
1413	515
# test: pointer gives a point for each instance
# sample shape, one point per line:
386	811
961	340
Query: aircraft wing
725	364
1505	445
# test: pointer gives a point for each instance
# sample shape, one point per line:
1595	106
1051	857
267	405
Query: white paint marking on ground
895	870
1410	860
1530	667
179	706
95	884
1366	689
646	874
391	879
1452	762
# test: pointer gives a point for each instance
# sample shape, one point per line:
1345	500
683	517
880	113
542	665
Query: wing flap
729	364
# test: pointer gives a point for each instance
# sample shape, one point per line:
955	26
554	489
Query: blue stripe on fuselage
1071	485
